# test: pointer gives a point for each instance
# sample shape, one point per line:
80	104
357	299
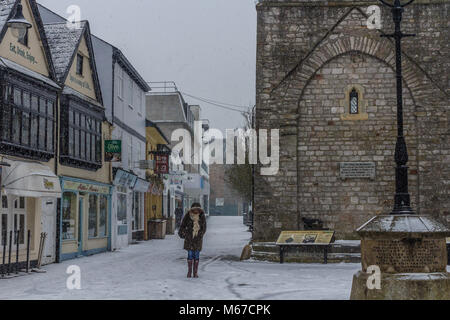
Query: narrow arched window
354	102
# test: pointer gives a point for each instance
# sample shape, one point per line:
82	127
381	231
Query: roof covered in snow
7	10
405	224
6	7
8	64
63	42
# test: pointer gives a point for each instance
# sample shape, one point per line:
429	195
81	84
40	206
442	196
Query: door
48	225
123	207
80	224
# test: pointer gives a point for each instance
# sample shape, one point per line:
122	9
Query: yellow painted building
28	137
85	211
153	199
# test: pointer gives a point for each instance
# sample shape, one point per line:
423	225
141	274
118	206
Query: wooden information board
305	238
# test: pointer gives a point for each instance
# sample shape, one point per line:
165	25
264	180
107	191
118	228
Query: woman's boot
190	262
196	268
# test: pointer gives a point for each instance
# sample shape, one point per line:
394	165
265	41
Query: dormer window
80	63
354	102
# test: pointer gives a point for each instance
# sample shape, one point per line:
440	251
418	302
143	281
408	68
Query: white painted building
129	127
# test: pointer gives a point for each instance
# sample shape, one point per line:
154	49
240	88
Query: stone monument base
406	286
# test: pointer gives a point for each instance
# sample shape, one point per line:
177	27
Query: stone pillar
410	252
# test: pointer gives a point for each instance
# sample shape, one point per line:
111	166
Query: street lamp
18	24
402	203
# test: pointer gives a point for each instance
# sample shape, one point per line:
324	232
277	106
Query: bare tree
240	176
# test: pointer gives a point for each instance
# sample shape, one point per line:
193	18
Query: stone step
337	247
332	258
341	251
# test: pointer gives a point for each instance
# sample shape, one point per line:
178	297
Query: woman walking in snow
192	229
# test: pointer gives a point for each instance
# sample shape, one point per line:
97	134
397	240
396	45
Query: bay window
81	134
27	121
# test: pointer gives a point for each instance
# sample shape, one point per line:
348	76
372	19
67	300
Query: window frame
120	84
11	213
75	128
354	94
76	216
79	64
13	103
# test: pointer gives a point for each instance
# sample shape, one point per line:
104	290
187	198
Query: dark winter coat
185	232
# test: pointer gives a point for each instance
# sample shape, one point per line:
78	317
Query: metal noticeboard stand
304	239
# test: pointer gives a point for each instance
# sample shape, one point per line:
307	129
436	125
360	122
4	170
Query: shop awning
30	179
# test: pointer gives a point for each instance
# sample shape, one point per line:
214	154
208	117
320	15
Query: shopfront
28	203
138	220
124	203
85	218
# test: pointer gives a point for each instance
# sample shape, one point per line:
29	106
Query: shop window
93	216
19	226
136	223
4	230
27	122
103	218
4	202
80	62
4	218
13	219
69	216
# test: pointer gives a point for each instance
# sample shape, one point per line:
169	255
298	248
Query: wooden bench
303	239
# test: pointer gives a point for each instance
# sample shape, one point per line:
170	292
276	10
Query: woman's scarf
195	218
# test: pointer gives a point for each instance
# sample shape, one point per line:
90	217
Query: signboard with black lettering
306	237
354	170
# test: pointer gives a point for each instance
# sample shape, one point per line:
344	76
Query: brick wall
308	54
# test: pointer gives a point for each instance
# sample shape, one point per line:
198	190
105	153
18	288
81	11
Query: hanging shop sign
157	190
125	179
162	164
113	151
141	185
85	187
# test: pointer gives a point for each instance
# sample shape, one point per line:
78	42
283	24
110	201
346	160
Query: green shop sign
113	150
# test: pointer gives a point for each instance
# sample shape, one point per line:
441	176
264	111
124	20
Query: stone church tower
328	83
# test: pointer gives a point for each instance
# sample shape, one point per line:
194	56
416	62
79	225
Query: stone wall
309	53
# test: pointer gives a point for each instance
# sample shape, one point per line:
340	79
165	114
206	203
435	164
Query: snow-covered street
157	270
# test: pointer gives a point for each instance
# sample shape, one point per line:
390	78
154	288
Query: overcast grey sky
208	47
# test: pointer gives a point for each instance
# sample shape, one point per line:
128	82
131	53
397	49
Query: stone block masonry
310	56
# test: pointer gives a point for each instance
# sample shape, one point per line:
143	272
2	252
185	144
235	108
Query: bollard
4	252
17	251
28	251
10	252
